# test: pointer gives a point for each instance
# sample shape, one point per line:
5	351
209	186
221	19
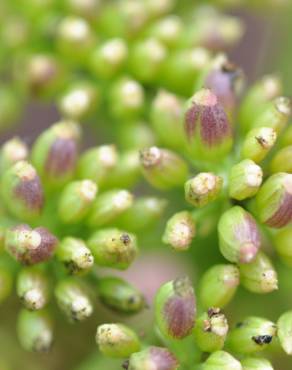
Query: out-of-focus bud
119	295
239	237
54	153
117	340
180	231
221	360
163	168
175	308
252	335
30	246
283	245
282	160
157	8
218	286
113	248
75	255
35	331
203	189
207	127
83	8
12	151
168	30
22	191
284	325
274	200
135	135
76	200
256	363
259	276
245	179
211	330
258	142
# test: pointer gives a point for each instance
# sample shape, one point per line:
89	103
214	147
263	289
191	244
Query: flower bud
284	332
255	363
22	191
12	151
282	160
259	276
245	178
32	288
109	58
75	255
54	153
35	331
207	127
168	30
274	200
119	295
175	308
30	246
252	335
73	299
97	163
211	330
117	340
163	168
108	206
84	8
135	135
158	8
113	248
283	245
218	286
76	200
221	360
152	358
180	231
258	142
239	237
203	189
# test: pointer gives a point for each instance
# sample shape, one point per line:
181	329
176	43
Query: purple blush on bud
162	358
283	215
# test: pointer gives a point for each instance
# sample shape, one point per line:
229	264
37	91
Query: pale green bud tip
180	231
175	308
274	200
117	340
284	325
152	358
221	360
12	151
245	179
74	29
270	86
283	105
255	363
258	143
203	188
239	237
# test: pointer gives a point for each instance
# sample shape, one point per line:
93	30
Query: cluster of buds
217	159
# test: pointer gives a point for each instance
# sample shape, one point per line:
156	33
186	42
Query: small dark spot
125	239
126	364
213	311
261	141
239	325
262	339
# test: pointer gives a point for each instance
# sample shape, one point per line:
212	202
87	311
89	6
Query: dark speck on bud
152	358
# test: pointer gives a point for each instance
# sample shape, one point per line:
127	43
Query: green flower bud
175	308
119	295
117	340
12	151
211	330
126	98
35	331
135	135
97	163
218	286
221	360
180	231
6	281
283	245
207	127
163	168
32	288
74	299
259	276
157	8
75	255
274	200
109	58
258	142
284	332
84	8
255	363
168	30
113	248
203	189
245	178
30	246
282	160
144	212
252	335
239	237
166	113
54	153
22	191
108	206
76	200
